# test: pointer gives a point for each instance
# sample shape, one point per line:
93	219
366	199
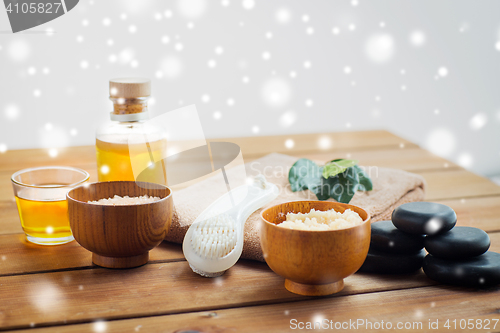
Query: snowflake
211	63
478	121
276	92
443	71
219	50
380	48
248	4
283	15
192	9
12	111
417	38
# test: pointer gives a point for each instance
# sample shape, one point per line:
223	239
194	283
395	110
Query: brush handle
242	201
258	195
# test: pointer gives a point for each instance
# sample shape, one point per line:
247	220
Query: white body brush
214	242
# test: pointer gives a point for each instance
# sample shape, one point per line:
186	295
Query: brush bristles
214	238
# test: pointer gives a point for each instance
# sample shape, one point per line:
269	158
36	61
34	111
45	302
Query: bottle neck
129	109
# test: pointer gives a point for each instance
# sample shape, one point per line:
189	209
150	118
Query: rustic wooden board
155	289
163	288
341	141
60	286
481	212
17	256
407	158
457	184
417	306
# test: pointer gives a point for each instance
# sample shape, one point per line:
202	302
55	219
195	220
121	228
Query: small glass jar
127	146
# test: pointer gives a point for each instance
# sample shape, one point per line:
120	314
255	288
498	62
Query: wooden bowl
313	263
119	236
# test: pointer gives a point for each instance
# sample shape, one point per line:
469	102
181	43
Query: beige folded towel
391	188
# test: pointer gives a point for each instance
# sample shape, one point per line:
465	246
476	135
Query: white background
428	71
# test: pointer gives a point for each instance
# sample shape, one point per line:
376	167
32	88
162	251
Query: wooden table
58	289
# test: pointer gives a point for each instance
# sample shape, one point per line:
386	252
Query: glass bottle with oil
127	148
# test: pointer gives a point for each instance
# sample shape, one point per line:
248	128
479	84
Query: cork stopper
129	95
130	87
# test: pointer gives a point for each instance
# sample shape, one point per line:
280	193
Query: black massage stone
387	238
424	218
384	263
458	243
480	271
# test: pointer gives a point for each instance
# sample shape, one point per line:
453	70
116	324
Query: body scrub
322	220
126	200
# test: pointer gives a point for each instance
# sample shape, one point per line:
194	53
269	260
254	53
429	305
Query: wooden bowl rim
367	220
68	197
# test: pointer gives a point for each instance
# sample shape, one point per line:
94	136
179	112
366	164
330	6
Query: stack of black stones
457	255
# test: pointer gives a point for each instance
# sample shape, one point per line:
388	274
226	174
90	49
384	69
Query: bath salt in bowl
322	220
119	222
126	200
319	245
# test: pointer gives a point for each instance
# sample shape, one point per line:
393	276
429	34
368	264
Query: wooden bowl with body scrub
313	262
121	235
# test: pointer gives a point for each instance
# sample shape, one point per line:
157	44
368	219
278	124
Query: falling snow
417	38
287	119
478	121
441	141
99	326
324	142
443	71
18	50
380	48
276	92
465	160
248	4
12	112
283	15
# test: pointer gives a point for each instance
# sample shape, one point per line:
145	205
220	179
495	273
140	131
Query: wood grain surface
58	289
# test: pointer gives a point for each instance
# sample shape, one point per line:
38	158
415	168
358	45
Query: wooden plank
18	256
417	307
457	184
87	295
482	212
154	289
407	158
303	143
